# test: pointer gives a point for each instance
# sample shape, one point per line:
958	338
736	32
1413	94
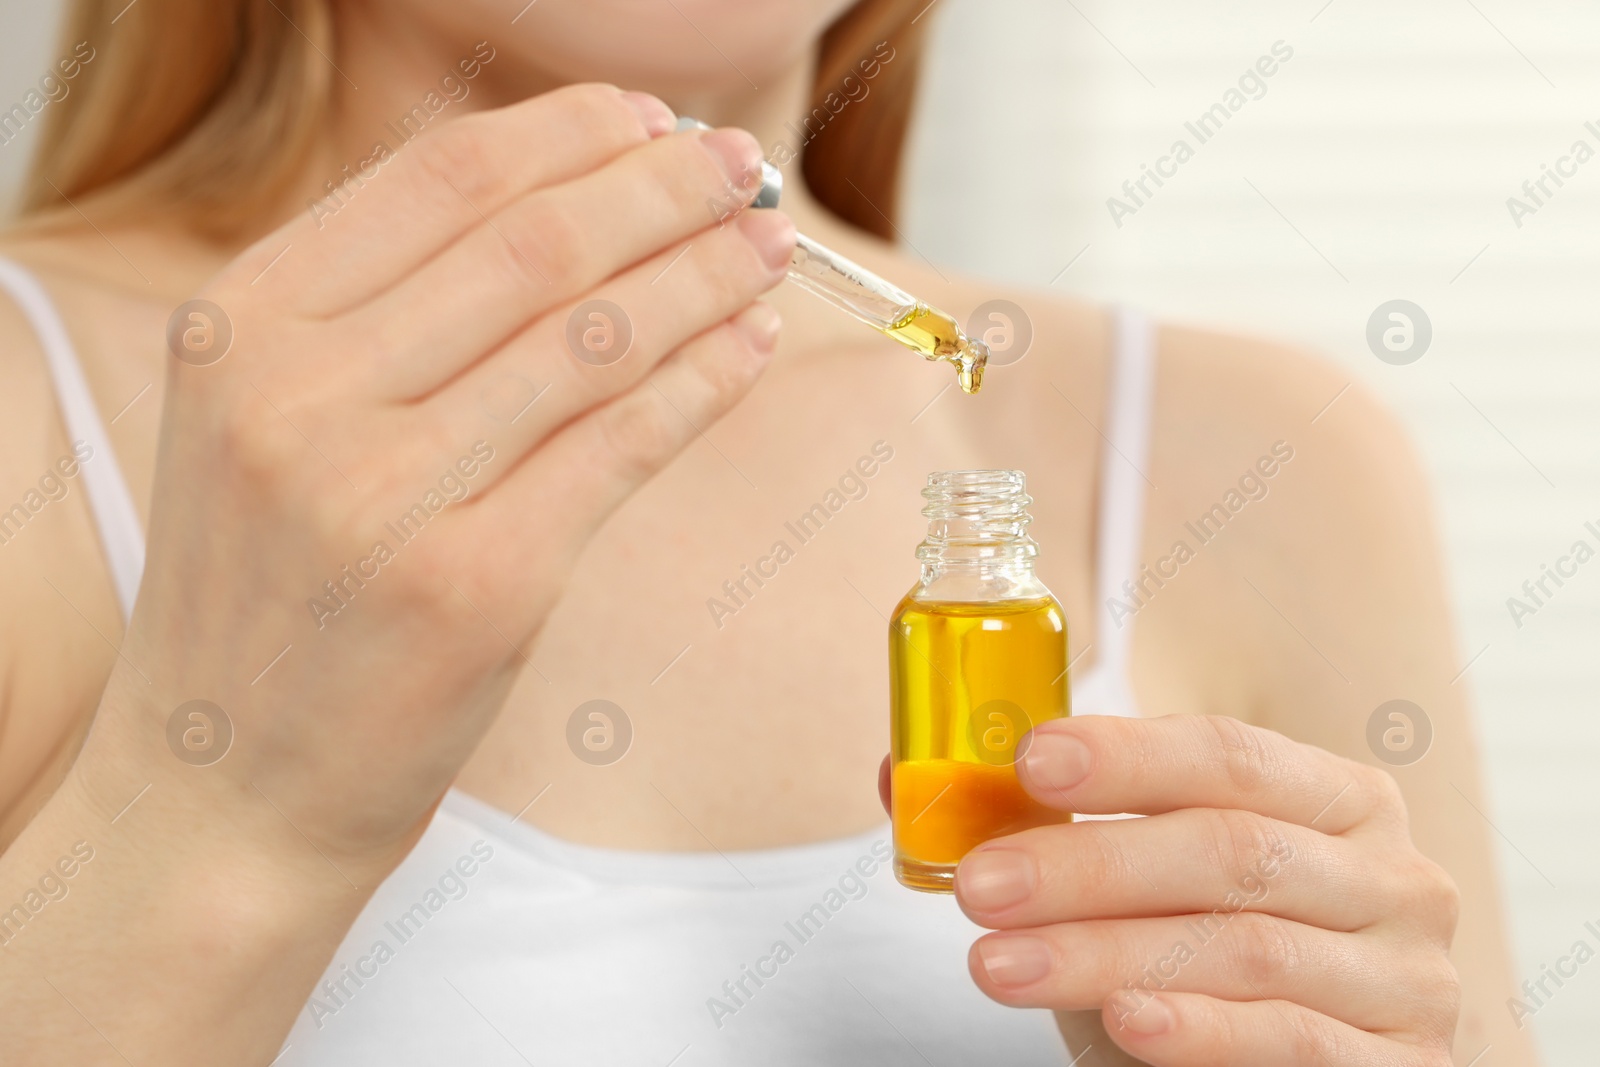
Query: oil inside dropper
937	336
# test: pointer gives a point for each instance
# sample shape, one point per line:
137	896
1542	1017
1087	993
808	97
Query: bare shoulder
1289	540
1223	400
1308	524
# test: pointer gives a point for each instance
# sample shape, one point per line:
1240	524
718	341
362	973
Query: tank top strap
1123	481
1106	688
110	502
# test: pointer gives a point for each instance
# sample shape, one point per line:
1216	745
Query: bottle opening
976	515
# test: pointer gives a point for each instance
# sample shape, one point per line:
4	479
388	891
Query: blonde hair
205	110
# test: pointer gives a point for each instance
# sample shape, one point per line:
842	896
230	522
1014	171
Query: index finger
1102	765
406	200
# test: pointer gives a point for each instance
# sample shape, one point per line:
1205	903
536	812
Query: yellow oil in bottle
968	680
938	337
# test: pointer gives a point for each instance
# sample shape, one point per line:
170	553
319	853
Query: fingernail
656	116
738	154
1057	761
991	879
772	234
758	324
1146	1014
1014	961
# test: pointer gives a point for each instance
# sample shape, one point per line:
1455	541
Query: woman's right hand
389	362
415	346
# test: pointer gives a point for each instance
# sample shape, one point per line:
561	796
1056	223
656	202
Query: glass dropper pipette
860	293
857	291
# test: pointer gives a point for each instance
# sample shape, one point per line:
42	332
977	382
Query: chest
733	619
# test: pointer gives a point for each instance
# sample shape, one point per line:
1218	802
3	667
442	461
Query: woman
397	216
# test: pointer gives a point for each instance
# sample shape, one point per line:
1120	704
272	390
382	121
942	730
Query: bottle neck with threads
977	548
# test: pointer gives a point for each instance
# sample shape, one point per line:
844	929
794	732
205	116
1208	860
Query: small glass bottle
977	658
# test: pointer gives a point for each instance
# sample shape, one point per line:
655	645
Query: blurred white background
1377	166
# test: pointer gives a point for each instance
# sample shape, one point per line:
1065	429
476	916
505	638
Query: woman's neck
397	63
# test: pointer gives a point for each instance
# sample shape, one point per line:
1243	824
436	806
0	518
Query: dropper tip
970	361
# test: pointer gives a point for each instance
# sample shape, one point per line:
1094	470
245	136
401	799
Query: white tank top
496	943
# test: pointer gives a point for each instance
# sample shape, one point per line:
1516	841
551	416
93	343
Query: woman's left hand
1271	909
